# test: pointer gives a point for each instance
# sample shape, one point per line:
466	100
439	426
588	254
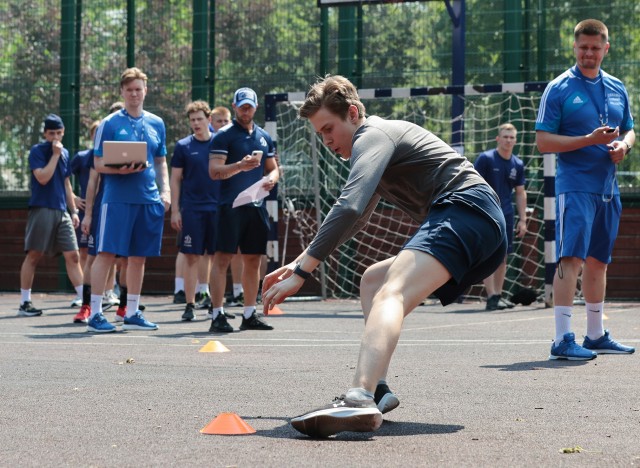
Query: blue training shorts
587	225
466	232
131	230
198	233
245	227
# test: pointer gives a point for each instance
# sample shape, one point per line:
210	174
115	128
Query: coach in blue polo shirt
247	226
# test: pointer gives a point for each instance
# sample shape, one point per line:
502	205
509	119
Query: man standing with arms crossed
247	226
585	117
134	202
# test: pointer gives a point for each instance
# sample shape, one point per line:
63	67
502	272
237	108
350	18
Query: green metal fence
66	56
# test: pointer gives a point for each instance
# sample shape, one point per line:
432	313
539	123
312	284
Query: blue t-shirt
198	191
80	169
52	194
139	187
235	142
572	105
503	175
97	201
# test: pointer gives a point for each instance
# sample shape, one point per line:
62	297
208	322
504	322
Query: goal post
313	177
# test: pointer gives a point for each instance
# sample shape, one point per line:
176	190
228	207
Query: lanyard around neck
134	125
602	116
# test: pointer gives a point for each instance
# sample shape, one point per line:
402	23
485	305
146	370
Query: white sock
96	304
179	285
202	288
248	311
563	321
25	295
358	393
78	290
216	311
133	301
237	289
595	319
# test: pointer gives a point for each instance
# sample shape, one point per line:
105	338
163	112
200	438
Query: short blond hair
131	74
507	127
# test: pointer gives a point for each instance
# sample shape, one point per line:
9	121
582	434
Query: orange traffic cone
214	347
276	311
227	424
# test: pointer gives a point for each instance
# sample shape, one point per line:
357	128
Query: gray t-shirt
401	162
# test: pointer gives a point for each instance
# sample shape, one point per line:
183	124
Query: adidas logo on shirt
123	132
577	100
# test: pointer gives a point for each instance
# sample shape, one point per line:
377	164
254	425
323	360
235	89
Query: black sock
123	296
86	294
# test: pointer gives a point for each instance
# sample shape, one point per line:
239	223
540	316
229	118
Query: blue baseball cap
53	122
245	96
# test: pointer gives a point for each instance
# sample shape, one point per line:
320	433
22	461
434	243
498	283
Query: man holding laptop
130	150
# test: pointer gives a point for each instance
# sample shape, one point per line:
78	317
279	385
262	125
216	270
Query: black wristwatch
305	275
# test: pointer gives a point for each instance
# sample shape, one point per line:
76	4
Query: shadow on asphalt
535	365
388	428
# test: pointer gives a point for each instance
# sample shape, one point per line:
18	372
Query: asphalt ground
476	389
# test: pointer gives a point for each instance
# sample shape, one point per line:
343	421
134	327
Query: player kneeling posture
461	239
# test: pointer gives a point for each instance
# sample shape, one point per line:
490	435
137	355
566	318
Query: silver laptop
123	153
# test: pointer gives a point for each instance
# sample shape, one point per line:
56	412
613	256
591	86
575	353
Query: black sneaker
255	322
341	415
180	297
385	399
220	325
236	301
26	309
189	313
493	303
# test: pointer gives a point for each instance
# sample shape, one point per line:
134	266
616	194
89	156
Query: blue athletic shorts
509	219
83	239
131	230
198	232
586	225
245	227
466	232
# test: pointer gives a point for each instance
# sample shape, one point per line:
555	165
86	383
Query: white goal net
313	177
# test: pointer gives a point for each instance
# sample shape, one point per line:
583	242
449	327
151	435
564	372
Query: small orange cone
227	424
276	311
214	347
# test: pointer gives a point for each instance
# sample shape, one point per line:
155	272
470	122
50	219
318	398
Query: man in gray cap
53	215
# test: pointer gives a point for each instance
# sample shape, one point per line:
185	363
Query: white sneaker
77	302
109	298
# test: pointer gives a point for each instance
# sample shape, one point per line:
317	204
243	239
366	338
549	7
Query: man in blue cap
234	161
53	215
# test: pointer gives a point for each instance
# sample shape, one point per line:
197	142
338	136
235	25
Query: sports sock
216	311
123	296
237	289
133	300
248	311
86	294
563	322
78	290
96	305
202	288
179	285
595	319
358	393
25	295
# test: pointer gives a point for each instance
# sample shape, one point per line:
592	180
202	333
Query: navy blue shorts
509	220
198	233
245	227
466	232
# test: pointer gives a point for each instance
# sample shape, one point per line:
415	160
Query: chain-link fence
66	56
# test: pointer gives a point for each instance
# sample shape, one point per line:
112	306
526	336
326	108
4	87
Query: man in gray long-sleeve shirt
461	240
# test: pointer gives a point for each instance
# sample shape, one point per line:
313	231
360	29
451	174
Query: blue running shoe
138	322
569	349
605	345
99	324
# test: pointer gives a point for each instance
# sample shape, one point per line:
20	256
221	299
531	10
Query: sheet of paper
251	194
